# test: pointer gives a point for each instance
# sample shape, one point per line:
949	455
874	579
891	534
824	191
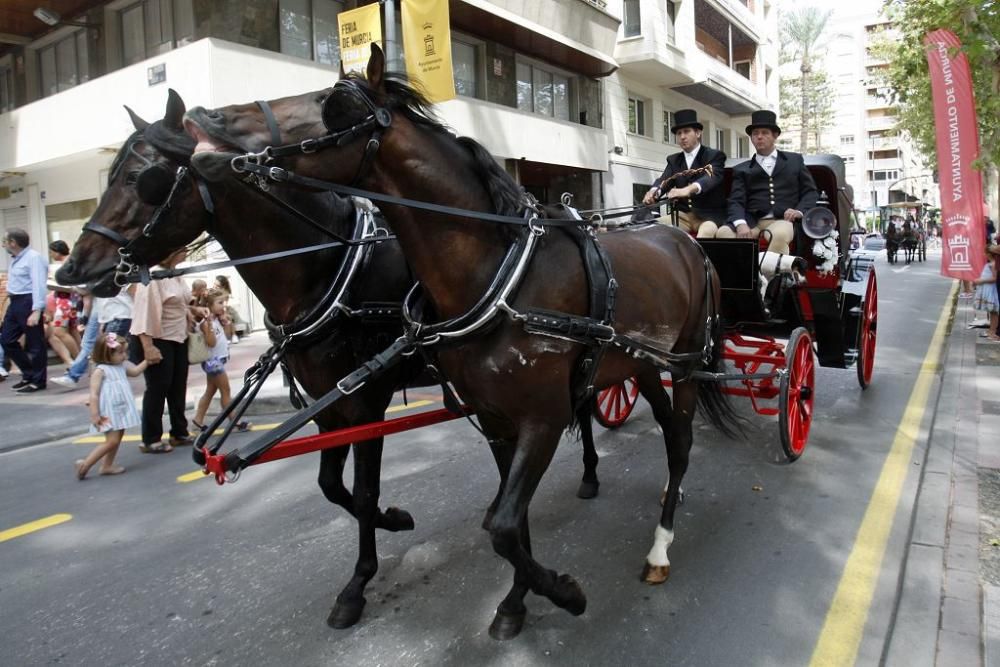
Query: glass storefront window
65	221
463	57
308	29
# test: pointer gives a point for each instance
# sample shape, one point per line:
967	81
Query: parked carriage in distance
829	315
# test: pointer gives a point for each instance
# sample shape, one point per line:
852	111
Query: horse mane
406	97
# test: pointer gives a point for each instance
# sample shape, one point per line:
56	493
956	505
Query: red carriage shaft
215	463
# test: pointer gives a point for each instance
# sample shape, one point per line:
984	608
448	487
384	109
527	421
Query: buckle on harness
277	174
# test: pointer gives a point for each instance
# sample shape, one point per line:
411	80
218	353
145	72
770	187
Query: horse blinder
153	184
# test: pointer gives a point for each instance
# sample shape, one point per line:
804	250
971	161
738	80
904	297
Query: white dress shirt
690	157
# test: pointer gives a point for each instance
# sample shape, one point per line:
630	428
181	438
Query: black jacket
710	203
754	194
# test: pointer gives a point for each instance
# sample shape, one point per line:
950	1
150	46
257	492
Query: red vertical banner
957	137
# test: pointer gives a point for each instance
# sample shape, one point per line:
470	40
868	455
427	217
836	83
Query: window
542	91
632	22
668	121
6	89
720	140
307	29
64	64
636	116
847	140
671	19
848	159
742	67
152	27
743	147
463	64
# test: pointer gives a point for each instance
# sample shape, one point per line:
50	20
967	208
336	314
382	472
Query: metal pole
391	38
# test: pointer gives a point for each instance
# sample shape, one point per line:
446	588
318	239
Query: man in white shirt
772	190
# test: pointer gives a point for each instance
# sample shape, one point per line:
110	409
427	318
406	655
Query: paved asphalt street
162	567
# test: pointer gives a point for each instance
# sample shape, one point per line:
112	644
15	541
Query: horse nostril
214	114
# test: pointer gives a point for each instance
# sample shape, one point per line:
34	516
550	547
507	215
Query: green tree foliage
977	25
802	41
819	114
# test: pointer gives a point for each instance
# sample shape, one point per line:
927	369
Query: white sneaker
65	381
3	373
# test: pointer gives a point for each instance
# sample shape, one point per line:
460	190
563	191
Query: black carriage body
828	305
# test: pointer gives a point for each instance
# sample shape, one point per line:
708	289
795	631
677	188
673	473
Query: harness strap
272	124
241	164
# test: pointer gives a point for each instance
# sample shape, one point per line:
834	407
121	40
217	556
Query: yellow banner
427	45
358	29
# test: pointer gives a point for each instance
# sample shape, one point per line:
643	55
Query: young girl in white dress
217	328
112	407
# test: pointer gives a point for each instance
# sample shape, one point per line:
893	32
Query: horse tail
716	405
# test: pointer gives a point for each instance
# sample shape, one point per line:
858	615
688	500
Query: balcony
738	13
725	89
209	73
880	123
579	35
877	102
884	164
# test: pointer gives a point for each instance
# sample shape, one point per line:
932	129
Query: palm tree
802	34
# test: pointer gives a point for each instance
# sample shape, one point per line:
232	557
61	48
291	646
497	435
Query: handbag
198	350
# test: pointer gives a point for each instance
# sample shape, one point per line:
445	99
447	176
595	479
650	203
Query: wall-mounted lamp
51	18
618	150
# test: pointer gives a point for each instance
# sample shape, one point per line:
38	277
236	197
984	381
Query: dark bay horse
246	223
519	384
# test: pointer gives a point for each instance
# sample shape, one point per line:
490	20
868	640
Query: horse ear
139	123
376	67
175	110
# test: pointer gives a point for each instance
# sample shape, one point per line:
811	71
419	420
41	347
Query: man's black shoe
19	385
30	388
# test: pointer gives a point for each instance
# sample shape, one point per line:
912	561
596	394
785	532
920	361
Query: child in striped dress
112	407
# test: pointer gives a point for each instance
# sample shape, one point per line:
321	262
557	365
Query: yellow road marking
192	477
41	524
95	439
845	620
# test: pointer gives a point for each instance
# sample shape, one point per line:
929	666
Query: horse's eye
131	177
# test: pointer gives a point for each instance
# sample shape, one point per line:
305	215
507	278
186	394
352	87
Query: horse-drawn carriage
910	239
513	336
832	309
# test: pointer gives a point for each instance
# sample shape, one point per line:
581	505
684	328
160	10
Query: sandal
81	474
200	427
181	442
157	448
243	426
114	470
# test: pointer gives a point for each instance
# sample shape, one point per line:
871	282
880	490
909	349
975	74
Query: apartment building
888	173
719	57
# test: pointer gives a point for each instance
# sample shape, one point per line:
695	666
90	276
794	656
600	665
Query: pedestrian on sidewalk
107	315
217	328
987	297
26	280
112	407
4	366
161	317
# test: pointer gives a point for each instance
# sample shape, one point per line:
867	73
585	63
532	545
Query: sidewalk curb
913	631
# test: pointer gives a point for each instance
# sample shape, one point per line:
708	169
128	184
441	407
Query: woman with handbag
161	319
213	352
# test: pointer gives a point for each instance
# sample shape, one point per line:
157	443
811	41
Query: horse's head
143	186
344	116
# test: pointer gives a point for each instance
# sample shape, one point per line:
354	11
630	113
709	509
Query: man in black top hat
699	200
771	190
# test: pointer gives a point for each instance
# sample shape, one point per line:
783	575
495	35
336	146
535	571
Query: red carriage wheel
867	330
615	403
795	400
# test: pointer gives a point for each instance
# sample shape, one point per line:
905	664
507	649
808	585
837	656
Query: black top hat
686	118
763	118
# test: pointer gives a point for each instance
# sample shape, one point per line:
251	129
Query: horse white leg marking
662	539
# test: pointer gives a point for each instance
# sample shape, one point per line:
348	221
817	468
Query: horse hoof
344	615
567	594
655	574
588	490
506	626
395	520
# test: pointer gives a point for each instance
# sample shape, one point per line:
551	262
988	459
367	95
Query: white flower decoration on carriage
825	249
